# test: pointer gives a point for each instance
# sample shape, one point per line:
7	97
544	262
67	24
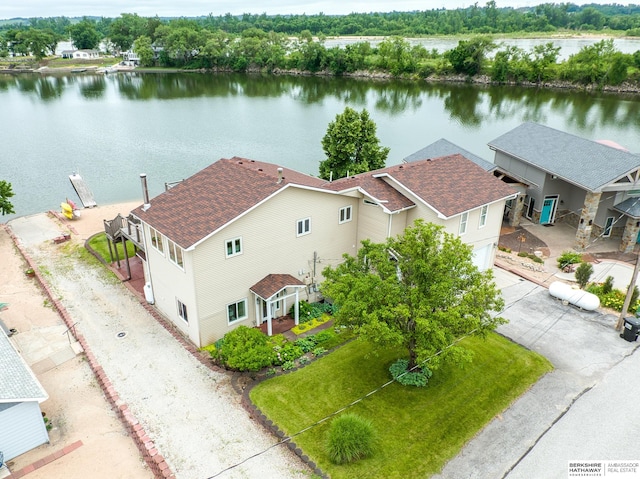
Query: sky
193	8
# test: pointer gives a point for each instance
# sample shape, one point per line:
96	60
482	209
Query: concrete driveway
534	437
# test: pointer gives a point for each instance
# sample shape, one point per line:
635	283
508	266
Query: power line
344	408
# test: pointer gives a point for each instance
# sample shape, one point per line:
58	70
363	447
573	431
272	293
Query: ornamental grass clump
350	438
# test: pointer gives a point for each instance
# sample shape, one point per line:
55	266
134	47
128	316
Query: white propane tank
577	297
148	293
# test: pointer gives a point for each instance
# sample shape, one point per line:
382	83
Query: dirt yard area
76	408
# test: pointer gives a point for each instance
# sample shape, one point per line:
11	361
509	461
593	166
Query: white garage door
482	257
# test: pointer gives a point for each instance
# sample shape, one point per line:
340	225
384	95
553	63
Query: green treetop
6	208
351	146
419	291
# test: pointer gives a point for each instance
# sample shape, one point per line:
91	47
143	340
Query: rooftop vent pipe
145	192
279	175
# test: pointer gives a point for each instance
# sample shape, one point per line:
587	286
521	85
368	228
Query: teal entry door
546	215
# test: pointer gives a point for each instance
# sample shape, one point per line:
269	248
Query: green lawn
419	429
100	244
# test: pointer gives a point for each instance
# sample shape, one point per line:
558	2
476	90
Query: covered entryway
274	295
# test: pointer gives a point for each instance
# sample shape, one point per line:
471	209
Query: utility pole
627	299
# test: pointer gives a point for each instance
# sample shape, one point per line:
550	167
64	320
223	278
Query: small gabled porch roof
268	289
272	284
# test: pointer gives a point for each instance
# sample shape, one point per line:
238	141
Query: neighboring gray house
21	425
444	147
588	184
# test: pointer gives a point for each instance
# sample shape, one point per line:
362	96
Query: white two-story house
241	241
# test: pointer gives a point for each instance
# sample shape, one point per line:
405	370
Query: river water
110	128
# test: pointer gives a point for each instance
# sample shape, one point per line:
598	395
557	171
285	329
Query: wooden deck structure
83	191
119	230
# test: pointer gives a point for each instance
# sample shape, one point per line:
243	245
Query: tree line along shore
241	44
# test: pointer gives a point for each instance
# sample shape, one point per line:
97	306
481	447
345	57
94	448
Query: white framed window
157	240
175	254
483	215
345	214
303	227
233	247
182	310
237	311
464	218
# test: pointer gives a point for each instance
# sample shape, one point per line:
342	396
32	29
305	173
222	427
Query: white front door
266	314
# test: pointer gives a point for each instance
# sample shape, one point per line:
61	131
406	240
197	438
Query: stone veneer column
588	213
516	211
629	235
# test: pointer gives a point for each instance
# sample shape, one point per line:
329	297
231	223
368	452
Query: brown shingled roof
214	196
225	190
450	184
272	283
389	197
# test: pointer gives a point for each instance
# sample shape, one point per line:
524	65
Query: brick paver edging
255	413
45	460
205	360
156	462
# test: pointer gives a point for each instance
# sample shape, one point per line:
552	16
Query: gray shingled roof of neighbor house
17	382
444	147
586	163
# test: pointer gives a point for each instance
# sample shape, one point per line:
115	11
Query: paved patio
607	260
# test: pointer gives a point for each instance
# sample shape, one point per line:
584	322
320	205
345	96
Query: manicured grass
418	429
100	245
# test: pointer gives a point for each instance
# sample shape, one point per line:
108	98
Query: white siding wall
476	236
424	212
170	284
21	429
373	223
398	223
269	245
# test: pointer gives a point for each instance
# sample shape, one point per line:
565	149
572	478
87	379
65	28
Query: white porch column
269	328
296	308
257	308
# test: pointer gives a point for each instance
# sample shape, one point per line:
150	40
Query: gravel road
190	412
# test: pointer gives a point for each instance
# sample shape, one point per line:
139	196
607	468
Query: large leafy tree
126	29
39	42
351	146
6	192
142	46
419	290
84	35
470	55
